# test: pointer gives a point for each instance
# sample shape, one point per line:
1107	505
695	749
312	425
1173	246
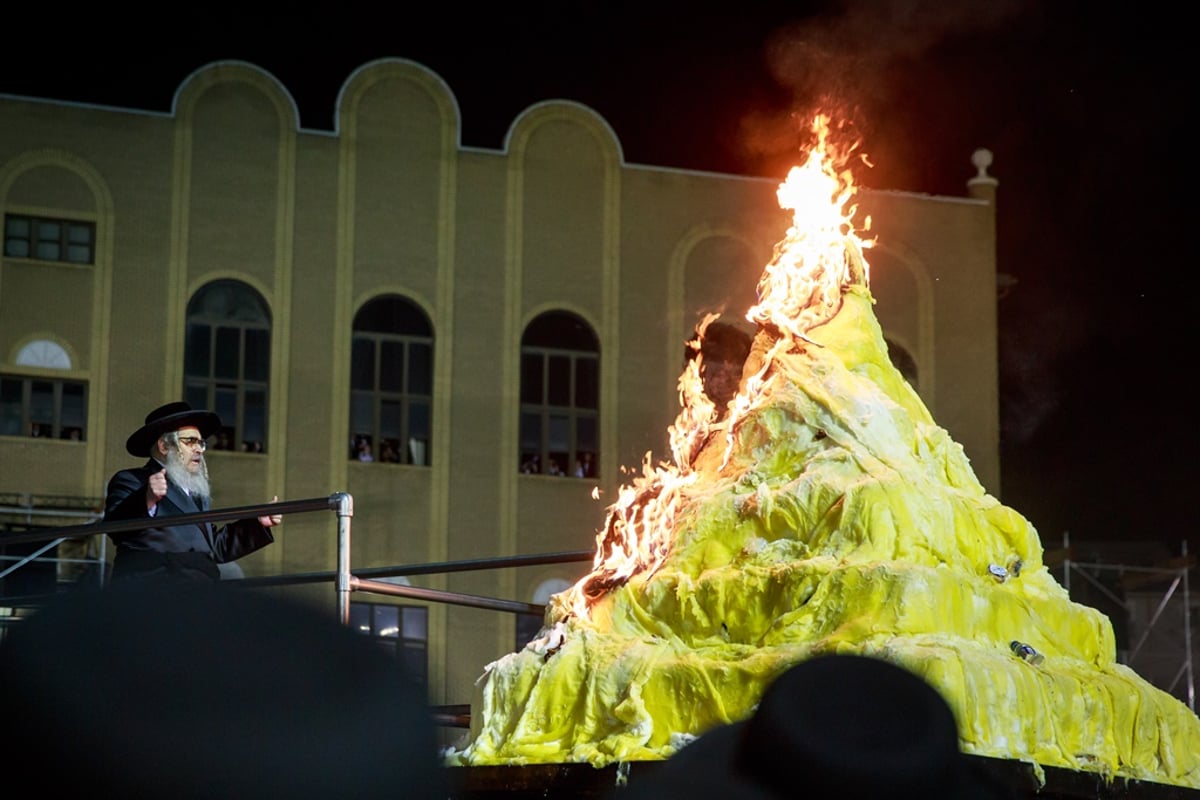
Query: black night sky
1085	107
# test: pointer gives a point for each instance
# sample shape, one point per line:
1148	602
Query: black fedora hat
170	417
846	726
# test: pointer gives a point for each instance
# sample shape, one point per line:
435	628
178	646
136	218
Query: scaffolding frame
1176	576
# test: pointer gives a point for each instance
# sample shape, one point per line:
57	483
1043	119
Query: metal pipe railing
337	502
216	515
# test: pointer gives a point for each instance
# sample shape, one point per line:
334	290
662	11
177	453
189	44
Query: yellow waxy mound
844	519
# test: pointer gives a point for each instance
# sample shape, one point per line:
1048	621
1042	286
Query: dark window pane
258	354
531	378
585	433
392	315
10	407
362	413
227	353
225	404
362	364
390	418
198	350
559	385
48	251
48	231
420	368
79	234
414	660
387	621
418	434
587	389
415	624
560	433
72	405
41	405
391	365
418	420
360	618
16	226
16	248
255	418
231	302
528	626
531	432
196	394
562	330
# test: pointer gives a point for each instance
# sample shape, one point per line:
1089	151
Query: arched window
44	353
903	361
43	407
560	397
227	362
391	382
529	625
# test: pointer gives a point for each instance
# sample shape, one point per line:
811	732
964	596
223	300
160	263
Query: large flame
820	256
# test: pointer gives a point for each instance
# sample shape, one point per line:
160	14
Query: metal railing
344	580
338	502
27	508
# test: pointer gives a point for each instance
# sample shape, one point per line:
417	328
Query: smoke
853	62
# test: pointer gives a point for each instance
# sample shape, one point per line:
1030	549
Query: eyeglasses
194	442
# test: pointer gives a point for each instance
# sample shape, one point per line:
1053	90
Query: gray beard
195	484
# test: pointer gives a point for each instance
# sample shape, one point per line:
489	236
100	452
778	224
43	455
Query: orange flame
821	255
801	287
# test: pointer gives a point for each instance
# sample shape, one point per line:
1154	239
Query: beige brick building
459	310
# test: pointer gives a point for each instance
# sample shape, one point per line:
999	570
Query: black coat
205	543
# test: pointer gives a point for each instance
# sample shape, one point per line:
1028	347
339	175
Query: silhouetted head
152	692
834	726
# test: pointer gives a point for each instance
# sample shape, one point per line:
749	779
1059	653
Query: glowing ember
819	257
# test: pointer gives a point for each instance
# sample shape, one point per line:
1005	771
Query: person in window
363	449
387	452
583	466
174	481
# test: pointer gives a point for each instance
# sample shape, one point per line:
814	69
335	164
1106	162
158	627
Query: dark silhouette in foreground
154	690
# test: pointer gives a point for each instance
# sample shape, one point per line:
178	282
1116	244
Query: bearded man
175	481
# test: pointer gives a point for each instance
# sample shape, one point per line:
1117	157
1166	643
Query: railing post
345	511
1187	631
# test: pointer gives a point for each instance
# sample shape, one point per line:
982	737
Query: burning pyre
823	510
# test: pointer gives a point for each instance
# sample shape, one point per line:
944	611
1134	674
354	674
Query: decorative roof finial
982	159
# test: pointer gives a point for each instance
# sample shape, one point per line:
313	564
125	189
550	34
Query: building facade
479	324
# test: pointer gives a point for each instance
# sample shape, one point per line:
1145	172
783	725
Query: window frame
551	404
60	423
411	651
230	395
391	355
64	243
